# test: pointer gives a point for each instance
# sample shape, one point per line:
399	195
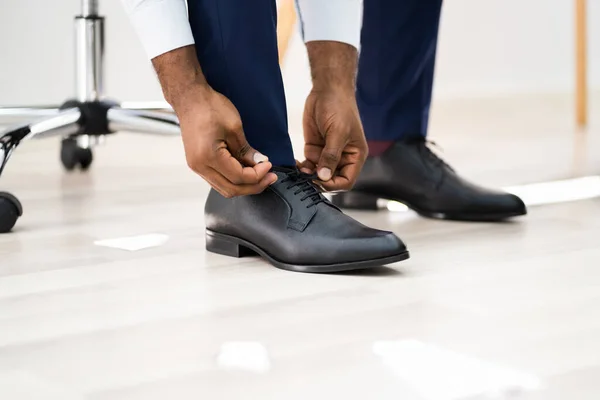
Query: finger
209	178
330	156
337	184
309	123
306	166
344	179
228	189
224	162
312	153
240	148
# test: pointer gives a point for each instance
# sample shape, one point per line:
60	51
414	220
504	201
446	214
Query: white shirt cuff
161	25
336	20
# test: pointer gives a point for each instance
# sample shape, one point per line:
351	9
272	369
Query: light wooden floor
478	307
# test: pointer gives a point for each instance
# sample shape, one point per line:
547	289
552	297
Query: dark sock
378	147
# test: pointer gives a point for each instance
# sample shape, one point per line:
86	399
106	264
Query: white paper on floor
440	374
246	356
134	243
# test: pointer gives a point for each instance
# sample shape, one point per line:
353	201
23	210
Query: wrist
326	83
333	66
188	97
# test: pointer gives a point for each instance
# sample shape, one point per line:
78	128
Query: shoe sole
235	247
362	201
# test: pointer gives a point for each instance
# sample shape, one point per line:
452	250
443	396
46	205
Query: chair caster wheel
10	211
73	156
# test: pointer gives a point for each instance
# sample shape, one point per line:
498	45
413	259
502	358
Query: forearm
333	65
180	77
331	31
163	28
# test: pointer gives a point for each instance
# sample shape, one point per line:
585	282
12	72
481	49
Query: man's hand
216	148
211	128
335	145
334	142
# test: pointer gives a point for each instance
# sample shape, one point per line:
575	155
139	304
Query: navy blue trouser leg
236	41
396	67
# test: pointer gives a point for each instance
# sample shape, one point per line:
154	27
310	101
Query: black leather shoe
409	172
294	227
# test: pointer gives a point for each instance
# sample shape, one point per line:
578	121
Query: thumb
330	156
242	151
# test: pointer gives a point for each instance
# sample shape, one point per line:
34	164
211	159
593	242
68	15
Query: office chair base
82	125
84	122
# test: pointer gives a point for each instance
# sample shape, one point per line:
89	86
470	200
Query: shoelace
305	185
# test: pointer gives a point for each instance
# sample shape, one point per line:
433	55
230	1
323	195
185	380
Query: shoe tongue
284	169
294	174
283	172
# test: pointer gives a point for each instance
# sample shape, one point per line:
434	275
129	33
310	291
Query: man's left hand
334	141
335	145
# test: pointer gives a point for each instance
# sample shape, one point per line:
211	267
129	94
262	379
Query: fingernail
273	180
324	174
259	158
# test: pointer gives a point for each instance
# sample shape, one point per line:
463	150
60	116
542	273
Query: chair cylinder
89	57
89	8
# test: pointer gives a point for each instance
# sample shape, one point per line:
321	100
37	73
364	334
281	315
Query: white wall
487	47
36	53
491	46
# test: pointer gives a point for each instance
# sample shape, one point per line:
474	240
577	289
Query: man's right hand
216	148
214	141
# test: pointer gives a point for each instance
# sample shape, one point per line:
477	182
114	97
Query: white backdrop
487	48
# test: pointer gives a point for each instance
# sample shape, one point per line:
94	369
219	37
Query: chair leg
581	92
64	123
158	123
19	114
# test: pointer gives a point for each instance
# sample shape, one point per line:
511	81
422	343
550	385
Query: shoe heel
355	201
221	244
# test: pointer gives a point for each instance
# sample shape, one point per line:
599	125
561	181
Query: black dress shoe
409	172
294	227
